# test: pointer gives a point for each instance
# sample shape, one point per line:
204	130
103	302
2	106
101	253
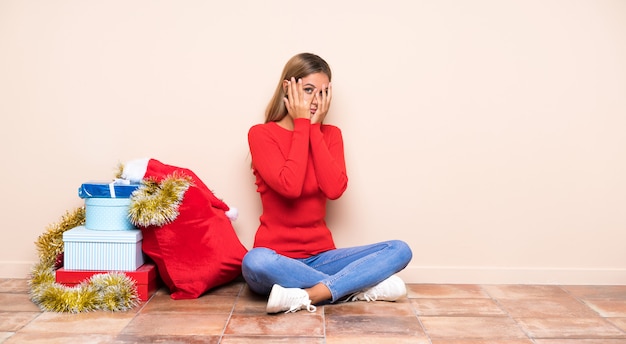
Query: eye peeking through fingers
308	90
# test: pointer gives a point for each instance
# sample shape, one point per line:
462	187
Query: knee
256	259
403	250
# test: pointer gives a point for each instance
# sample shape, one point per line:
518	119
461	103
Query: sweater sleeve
328	160
282	166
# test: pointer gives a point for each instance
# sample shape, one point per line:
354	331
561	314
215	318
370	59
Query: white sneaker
289	300
390	289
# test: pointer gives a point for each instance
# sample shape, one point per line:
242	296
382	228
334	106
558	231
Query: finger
294	95
329	92
323	99
324	94
287	105
328	95
290	89
300	91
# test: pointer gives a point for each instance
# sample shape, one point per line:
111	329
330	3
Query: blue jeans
344	270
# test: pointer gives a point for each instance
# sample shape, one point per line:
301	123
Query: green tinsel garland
112	291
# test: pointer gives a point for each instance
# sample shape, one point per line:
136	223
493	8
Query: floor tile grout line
324	323
30	321
142	306
230	315
489	297
581	300
570	295
517	324
606	320
419	320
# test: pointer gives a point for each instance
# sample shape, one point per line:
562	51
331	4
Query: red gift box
146	278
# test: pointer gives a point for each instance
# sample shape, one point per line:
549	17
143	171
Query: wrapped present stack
108	241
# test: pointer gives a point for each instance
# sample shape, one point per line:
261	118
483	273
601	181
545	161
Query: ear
285	85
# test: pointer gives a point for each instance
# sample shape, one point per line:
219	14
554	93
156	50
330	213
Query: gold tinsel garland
111	291
157	203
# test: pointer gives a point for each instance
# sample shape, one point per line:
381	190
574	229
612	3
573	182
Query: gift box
86	249
146	278
119	188
107	203
107	214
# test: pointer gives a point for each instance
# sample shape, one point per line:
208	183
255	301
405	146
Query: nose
314	100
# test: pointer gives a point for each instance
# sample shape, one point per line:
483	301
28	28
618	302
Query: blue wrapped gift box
115	189
106	204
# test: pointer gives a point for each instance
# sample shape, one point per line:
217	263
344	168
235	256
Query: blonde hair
297	67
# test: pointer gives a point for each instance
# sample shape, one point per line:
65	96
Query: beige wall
487	134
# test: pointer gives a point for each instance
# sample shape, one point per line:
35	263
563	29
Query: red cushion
199	250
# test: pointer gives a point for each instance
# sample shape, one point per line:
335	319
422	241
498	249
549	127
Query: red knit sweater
296	172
